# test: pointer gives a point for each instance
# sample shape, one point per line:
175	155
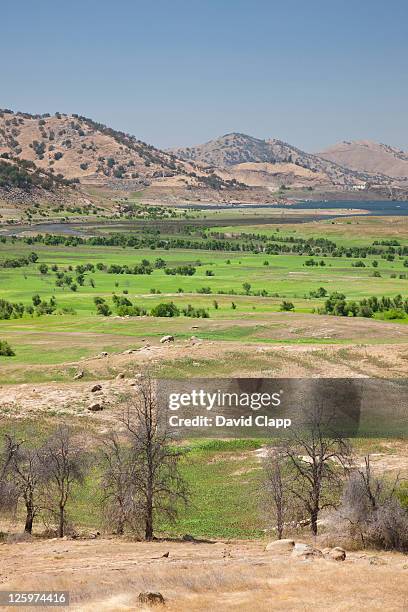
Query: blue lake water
83	228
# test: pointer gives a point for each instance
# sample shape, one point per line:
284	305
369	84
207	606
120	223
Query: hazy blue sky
180	72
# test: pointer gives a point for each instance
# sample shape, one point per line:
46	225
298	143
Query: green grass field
238	317
224	478
345	230
285	275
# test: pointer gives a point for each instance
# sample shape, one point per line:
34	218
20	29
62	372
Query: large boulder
337	554
306	551
280	546
166	339
96	407
151	599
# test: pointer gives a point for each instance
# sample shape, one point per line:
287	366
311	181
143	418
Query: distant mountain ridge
76	149
227	150
230	151
368	156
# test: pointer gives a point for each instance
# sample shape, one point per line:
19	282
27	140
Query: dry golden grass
108	575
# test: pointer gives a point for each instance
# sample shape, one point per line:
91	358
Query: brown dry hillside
22	181
273	162
368	156
81	149
77	149
273	176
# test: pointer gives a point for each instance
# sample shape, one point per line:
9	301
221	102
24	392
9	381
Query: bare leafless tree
371	511
389	526
143	481
317	458
27	476
118	487
276	500
64	463
8	493
362	494
372	487
353	509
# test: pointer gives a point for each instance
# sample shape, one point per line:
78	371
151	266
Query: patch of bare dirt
116	372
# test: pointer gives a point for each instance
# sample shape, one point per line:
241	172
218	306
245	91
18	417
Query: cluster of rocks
99	405
167	339
300	550
98	402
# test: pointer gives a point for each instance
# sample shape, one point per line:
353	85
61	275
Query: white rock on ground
168	338
285	545
305	551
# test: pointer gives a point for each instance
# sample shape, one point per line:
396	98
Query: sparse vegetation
371	513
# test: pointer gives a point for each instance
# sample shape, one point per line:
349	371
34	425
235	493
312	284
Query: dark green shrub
165	309
5	349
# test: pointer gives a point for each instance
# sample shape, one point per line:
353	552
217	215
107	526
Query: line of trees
16	310
314	468
337	304
195	238
19	262
124	307
139	472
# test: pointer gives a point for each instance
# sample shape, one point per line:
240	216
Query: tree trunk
120	529
29	504
149	526
61	522
280	524
28	528
149	507
313	521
